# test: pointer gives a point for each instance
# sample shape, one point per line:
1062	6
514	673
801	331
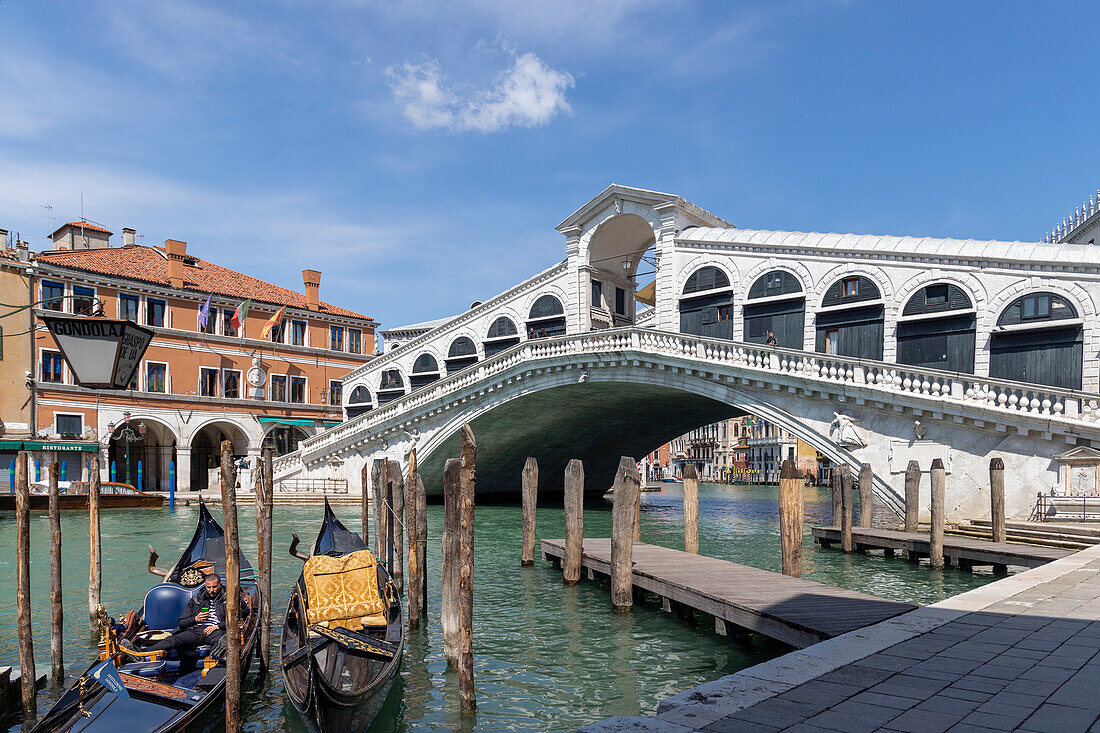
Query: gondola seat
163	605
147	669
343	591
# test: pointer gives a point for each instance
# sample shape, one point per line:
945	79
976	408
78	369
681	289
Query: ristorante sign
102	353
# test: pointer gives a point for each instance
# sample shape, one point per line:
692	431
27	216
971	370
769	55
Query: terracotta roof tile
148	264
87	225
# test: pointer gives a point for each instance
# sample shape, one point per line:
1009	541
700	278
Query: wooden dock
963	552
795	611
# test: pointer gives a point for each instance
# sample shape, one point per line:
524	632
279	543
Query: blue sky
420	154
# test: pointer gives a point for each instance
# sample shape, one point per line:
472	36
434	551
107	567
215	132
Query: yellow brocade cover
343	589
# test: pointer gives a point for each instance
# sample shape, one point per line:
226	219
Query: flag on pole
204	314
237	321
107	675
272	323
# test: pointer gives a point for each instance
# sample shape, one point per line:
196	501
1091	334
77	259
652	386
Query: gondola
343	634
159	695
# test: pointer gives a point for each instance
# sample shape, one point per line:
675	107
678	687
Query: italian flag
237	321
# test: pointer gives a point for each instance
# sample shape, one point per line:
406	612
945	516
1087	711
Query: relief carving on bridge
843	432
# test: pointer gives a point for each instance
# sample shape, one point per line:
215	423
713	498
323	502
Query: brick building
196	385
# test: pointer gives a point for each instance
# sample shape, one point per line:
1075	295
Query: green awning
268	420
330	423
60	446
11	445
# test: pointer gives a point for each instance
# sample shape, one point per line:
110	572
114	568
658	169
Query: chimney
4	237
176	250
22	251
312	280
129	237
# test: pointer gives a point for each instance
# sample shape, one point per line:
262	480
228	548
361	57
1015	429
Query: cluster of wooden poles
392	498
842	503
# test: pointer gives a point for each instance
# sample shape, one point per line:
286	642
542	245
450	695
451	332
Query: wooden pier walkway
962	552
795	611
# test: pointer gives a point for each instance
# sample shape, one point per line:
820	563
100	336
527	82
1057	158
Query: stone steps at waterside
1067	537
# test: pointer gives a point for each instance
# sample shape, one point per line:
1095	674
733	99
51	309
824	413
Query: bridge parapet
981	401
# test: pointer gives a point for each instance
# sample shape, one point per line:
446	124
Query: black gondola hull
322	706
199	710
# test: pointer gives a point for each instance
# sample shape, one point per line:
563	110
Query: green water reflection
547	657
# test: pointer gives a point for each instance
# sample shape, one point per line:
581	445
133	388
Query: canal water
546	657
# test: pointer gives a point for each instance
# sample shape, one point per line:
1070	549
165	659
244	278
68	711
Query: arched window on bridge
547	318
358	402
502	335
937	329
706	305
1038	339
463	353
390	387
777	304
850	321
425	371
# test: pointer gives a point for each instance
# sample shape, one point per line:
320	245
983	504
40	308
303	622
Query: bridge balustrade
889	378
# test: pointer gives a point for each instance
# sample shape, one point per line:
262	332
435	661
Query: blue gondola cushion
163	605
144	669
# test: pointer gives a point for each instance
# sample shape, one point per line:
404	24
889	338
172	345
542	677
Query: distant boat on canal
74	495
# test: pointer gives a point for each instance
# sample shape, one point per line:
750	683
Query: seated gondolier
202	623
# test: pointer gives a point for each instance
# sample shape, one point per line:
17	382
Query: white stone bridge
989	345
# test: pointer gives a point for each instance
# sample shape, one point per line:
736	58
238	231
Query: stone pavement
1021	653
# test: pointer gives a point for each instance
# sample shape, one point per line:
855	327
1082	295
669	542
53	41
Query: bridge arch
359	401
501	334
545	314
1039	339
425	370
706	302
391	385
516	422
461	352
937	328
1076	296
850	315
784	313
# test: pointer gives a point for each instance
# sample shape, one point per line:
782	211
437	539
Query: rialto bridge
889	349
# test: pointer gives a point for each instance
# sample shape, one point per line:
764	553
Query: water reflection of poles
127	434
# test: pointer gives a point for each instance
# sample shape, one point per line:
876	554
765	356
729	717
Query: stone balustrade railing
1007	398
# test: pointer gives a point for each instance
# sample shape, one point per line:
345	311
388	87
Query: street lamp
127	434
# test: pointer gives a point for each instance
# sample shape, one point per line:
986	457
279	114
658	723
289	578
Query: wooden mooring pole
95	562
415	544
838	507
935	537
623	519
791	487
265	499
57	612
691	508
449	614
866	495
421	499
912	495
232	591
466	571
845	483
530	483
997	499
574	522
364	501
396	511
27	675
379	482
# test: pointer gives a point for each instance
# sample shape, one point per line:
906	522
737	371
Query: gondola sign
102	353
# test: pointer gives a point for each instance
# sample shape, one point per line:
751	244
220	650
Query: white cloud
529	94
